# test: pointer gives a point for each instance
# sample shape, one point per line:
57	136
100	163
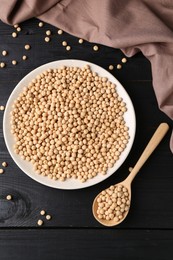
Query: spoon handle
153	143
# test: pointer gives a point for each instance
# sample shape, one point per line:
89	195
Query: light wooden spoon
153	143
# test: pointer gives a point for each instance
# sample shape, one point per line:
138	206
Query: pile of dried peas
113	203
69	122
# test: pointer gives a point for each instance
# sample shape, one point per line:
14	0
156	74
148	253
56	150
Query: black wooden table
73	233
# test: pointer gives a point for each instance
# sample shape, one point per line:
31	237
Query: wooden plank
86	244
73	208
151	187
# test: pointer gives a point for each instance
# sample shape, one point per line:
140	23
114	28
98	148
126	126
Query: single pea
48	32
40	222
47	39
116	219
27	47
111	67
124	60
64	43
40	24
42	212
1	171
18	29
4	164
48	217
9	197
95	48
24	57
68	48
2	108
4	53
80	41
14	62
119	66
60	31
14	34
2	64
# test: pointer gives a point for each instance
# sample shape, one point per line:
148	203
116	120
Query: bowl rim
69	184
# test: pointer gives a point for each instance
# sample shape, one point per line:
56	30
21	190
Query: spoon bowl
153	143
112	222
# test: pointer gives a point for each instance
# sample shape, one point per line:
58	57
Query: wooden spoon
153	143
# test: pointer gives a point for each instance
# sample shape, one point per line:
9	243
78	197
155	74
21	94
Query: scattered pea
42	212
4	53
4	164
41	24
14	62
60	31
130	169
124	60
48	217
24	57
40	222
95	48
2	64
27	47
64	43
16	25
47	39
111	67
18	29
80	41
68	48
1	171
9	197
119	66
48	32
14	34
2	108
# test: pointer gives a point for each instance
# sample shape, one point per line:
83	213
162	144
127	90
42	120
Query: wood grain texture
73	208
86	244
147	231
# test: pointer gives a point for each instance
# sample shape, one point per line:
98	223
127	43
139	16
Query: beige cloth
132	25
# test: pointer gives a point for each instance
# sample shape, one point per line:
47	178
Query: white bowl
27	166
